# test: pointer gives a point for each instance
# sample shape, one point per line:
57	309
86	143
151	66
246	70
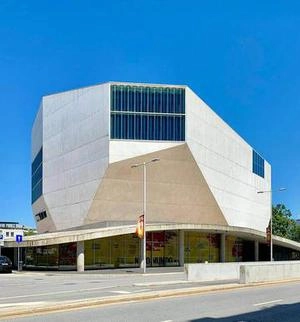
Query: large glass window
147	113
234	249
163	248
201	247
37	176
258	164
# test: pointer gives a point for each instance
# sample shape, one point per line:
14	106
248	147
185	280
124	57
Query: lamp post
144	165
271	219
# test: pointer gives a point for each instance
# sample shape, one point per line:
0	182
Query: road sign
19	238
1	237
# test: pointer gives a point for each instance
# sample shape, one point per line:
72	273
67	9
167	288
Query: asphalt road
277	302
28	288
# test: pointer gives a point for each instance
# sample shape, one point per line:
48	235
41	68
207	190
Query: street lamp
271	219
144	164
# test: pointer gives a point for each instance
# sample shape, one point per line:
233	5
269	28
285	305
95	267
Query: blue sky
241	58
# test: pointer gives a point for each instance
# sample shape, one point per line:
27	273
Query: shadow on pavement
282	313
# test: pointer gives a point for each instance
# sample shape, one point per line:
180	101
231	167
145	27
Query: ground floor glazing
164	248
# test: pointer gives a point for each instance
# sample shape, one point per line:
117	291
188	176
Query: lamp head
155	159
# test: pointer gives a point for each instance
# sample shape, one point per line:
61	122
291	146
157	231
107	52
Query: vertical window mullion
134	99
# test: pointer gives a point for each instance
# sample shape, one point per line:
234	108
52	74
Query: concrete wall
122	150
244	272
36	143
225	160
37	133
269	272
212	272
75	153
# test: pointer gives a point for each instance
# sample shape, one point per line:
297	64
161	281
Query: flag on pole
140	227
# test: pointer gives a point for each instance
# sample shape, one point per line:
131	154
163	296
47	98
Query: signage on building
1	238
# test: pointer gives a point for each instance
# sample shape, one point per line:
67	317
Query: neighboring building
202	201
9	229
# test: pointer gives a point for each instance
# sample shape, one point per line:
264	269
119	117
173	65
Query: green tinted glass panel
147	113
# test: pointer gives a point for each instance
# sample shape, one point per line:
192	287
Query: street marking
142	290
270	302
120	292
20	304
167	321
54	293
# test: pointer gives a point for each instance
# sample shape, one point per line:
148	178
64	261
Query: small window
258	164
12	234
7	234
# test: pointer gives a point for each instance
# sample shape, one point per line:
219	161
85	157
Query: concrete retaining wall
265	273
212	271
232	271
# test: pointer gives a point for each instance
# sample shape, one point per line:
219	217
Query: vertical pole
80	256
256	250
18	261
271	227
144	208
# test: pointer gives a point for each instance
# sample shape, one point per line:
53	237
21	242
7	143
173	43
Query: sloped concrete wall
225	160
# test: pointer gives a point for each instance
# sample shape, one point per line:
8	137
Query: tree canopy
283	223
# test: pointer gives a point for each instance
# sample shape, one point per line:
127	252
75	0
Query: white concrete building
202	200
9	230
75	144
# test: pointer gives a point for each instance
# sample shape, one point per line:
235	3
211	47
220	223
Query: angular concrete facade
177	191
207	178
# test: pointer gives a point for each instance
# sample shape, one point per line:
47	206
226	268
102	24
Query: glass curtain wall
44	256
258	164
109	252
124	251
51	257
201	247
234	249
163	248
147	113
37	176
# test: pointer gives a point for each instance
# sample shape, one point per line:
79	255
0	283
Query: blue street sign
1	237
19	238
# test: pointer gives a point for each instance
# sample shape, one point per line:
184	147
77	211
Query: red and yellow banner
140	227
268	235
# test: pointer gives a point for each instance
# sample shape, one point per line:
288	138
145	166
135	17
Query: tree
283	223
30	232
297	233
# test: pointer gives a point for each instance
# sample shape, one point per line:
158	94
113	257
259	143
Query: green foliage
283	223
30	232
297	237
